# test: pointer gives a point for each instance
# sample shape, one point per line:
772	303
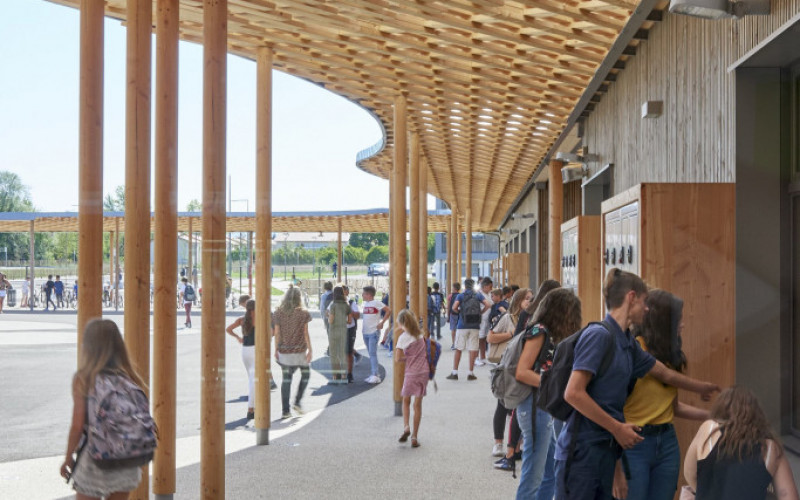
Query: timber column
468	241
555	200
459	251
339	260
263	242
415	299
452	248
165	249
397	236
90	197
212	401
423	241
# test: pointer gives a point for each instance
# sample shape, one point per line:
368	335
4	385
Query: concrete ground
344	445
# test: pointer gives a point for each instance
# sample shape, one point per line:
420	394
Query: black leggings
286	384
500	414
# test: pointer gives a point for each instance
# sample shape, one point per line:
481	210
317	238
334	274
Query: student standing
654	464
49	286
435	301
412	350
292	347
187	297
452	316
59	289
248	341
103	355
26	287
596	433
735	454
5	285
374	314
339	314
352	332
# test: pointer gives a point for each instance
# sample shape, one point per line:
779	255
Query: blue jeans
591	473
538	446
371	341
654	465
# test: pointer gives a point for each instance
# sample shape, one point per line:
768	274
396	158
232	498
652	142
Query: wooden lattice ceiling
366	222
489	83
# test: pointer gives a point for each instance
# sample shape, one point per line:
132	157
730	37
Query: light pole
247	201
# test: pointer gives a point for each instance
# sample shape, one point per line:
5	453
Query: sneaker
471	377
504	464
452	376
349	378
479	362
452	347
373	379
286	415
298	408
497	450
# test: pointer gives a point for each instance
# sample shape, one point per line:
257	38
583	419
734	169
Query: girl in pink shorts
412	350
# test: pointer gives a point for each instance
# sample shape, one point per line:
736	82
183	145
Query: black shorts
351	339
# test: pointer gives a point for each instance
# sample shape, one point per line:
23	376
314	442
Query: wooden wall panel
518	269
685	64
544	213
572	200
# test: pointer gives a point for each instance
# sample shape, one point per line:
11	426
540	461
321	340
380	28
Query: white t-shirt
406	339
371	315
182	290
354	308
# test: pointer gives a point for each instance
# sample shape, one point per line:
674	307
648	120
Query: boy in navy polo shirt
585	468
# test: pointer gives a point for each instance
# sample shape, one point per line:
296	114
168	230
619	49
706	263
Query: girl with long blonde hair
292	347
412	350
103	353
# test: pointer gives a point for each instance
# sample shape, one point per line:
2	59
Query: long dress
338	339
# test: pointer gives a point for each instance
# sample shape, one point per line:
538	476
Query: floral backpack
120	431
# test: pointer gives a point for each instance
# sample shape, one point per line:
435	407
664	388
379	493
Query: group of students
620	442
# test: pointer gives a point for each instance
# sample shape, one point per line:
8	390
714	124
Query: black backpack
470	310
188	294
554	381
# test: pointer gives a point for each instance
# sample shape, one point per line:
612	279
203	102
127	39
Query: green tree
194	206
14	197
353	255
377	254
368	240
326	255
115	202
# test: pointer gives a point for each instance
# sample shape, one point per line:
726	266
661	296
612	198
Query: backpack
433	350
435	300
327	301
120	431
554	381
505	386
471	310
188	294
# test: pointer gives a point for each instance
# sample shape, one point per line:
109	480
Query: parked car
378	269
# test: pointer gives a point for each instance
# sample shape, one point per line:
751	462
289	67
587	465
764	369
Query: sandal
414	442
404	436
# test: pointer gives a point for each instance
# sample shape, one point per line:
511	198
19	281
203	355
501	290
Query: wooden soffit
367	221
489	83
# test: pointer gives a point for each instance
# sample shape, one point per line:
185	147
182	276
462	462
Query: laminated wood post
339	260
423	244
137	196
115	279
250	264
193	277
555	199
468	241
263	242
90	196
452	248
459	251
165	248
110	262
32	253
212	402
398	235
413	228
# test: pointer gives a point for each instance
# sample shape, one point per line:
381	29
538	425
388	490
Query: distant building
485	249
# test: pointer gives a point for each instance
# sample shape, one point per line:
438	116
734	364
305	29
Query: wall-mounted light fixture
720	9
569	174
522	216
576	158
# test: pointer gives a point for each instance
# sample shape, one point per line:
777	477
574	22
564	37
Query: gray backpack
505	386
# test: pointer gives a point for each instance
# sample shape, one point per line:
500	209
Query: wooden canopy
489	83
365	221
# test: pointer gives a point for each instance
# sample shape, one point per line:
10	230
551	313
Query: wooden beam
398	236
90	166
423	243
165	247
212	404
263	243
115	279
555	196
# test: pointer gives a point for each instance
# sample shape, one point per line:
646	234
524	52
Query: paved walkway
345	445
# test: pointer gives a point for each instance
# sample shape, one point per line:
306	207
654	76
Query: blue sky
315	139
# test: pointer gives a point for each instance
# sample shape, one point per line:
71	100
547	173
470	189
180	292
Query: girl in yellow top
654	464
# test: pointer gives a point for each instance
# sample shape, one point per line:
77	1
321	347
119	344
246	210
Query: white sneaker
479	362
498	450
373	379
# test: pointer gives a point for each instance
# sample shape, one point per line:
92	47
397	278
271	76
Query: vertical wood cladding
544	213
685	64
572	200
